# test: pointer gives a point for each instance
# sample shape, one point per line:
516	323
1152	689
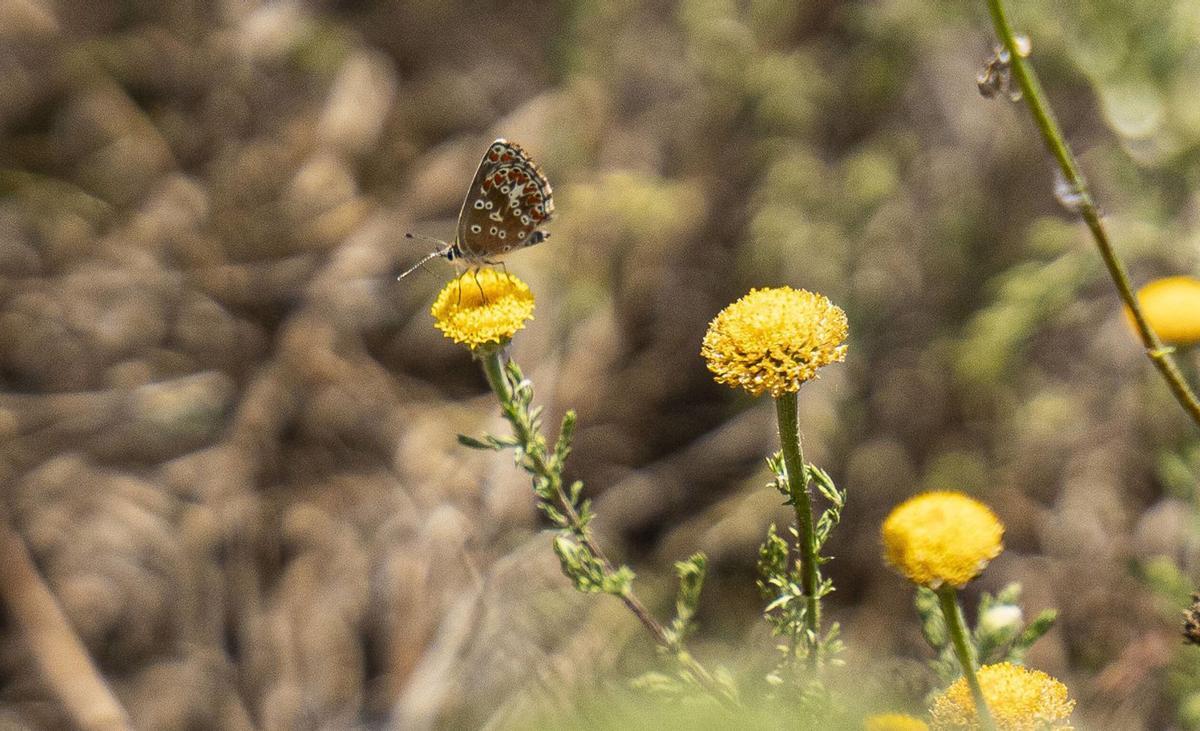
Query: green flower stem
956	627
535	452
797	475
1043	114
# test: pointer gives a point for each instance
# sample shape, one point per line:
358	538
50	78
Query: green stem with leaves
956	627
1047	123
593	572
801	501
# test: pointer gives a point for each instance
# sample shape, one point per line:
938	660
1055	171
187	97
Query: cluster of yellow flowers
775	340
1019	699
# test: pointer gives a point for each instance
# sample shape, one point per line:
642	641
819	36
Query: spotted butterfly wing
507	201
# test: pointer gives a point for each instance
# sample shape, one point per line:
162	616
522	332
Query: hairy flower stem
797	476
956	627
536	453
1052	134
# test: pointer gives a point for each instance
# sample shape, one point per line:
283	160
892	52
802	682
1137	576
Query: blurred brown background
228	432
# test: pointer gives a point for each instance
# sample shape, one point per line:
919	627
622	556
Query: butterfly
508	199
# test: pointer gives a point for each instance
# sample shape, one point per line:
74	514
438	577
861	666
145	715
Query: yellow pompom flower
1172	307
482	308
774	340
894	722
1019	699
941	538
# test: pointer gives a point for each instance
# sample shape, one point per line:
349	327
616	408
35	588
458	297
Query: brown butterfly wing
507	201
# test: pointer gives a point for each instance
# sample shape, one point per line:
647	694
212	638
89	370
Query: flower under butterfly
1018	698
940	538
774	340
482	308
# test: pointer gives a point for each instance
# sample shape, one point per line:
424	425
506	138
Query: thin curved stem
1043	115
493	368
956	627
797	475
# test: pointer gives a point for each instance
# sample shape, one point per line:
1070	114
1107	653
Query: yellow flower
478	308
941	538
1019	699
1172	307
774	340
894	722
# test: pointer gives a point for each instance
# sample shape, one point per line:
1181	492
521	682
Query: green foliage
691	574
780	578
1000	635
565	507
588	573
581	560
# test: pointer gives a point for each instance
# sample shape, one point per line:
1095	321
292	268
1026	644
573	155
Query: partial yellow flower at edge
1019	699
894	722
941	538
774	340
483	307
1172	307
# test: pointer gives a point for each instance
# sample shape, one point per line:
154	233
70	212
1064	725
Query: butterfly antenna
428	257
424	238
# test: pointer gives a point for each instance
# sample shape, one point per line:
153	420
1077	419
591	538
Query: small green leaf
691	580
566	434
474	443
1040	625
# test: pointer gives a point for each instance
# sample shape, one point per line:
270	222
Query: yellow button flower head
1172	307
894	722
481	308
941	538
774	340
1020	699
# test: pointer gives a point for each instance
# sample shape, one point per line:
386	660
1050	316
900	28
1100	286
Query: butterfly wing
507	201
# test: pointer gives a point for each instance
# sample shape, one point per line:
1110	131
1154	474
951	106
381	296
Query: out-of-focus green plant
1010	65
1000	634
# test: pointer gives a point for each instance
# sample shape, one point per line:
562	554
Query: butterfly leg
500	264
458	277
482	294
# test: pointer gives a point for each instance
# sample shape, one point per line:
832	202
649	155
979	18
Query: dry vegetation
228	432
